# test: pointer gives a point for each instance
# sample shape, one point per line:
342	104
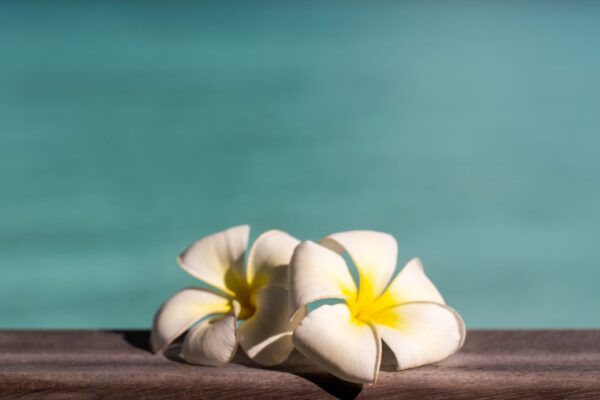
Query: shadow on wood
338	388
137	338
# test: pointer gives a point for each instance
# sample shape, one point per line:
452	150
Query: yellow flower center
243	292
361	305
367	306
246	312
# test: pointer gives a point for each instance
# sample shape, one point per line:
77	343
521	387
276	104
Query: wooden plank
117	364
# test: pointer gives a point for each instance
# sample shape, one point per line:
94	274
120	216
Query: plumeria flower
407	312
237	302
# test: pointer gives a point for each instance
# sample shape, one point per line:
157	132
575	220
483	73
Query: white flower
408	313
255	294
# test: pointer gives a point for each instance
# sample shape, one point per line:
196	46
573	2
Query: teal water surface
470	131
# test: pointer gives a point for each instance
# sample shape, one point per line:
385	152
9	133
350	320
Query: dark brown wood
117	364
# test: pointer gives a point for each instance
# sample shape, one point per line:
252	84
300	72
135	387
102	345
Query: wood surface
117	364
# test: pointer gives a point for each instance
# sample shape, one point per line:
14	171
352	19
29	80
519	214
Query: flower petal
269	259
420	333
344	346
410	285
374	255
181	311
319	273
212	342
218	259
267	336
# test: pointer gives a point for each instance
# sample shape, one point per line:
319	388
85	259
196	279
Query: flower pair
263	306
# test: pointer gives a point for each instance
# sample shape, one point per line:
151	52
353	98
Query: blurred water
470	131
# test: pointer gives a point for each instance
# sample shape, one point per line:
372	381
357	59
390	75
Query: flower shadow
299	366
334	386
139	339
296	365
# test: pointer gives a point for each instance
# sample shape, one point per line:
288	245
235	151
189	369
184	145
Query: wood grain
117	364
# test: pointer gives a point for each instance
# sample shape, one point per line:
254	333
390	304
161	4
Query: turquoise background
469	130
